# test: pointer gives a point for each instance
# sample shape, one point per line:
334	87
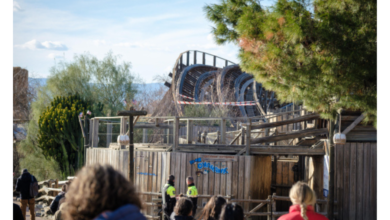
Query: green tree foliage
324	57
60	132
104	81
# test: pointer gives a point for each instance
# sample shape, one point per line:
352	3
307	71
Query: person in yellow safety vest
169	197
192	193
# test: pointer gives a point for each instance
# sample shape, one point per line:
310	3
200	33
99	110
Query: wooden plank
172	166
296	150
150	179
279	172
247	172
137	169
297	134
235	177
286	122
352	181
155	171
373	178
229	178
354	123
261	178
347	149
290	174
223	180
211	175
367	182
202	183
241	176
168	167
159	165
188	170
339	155
359	181
183	184
178	178
217	179
285	172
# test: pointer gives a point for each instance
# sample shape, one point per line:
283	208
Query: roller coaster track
205	77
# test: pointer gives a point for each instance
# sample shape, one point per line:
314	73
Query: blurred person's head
190	180
171	179
98	188
232	211
183	207
212	209
302	195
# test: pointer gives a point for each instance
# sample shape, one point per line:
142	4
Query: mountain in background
148	86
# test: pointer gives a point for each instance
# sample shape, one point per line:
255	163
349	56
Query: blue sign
208	165
147	174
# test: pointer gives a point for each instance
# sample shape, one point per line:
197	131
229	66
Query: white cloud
17	6
48	45
99	42
210	37
133	45
55	56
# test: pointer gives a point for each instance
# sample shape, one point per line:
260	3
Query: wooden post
269	209
86	139
175	134
95	135
189	131
273	206
222	139
248	137
204	136
90	132
317	175
331	170
242	136
56	186
274	169
109	134
131	150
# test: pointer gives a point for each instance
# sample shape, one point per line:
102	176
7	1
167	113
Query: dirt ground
28	211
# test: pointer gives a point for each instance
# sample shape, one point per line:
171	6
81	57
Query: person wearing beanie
192	193
169	197
23	186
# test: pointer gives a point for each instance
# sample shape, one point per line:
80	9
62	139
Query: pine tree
325	57
60	131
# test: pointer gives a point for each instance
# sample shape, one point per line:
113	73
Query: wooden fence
239	177
49	189
355	180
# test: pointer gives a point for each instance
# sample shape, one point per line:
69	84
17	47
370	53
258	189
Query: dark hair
96	189
183	207
190	179
212	210
182	195
232	211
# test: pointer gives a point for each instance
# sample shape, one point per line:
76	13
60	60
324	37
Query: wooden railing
276	133
50	188
270	203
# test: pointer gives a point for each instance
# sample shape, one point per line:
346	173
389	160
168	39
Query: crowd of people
99	192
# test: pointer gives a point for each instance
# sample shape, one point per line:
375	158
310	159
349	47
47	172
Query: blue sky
149	34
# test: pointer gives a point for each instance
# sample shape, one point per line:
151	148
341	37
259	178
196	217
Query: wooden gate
355	180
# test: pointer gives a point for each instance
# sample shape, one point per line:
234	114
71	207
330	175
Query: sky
148	34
